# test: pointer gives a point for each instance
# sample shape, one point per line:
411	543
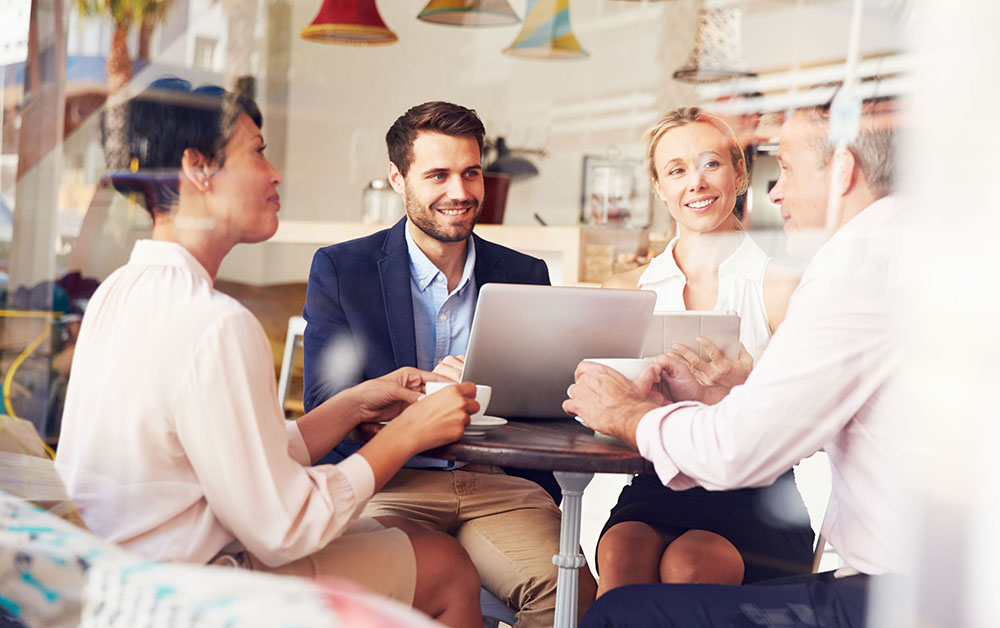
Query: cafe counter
575	255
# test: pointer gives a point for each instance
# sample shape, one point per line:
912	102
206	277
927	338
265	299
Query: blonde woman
655	534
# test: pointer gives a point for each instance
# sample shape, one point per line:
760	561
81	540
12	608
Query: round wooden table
548	445
573	452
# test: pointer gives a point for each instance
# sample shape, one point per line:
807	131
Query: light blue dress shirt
442	320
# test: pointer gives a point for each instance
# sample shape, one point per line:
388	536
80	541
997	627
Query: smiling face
695	177
443	188
803	186
244	194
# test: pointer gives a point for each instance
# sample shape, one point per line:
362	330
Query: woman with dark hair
656	534
173	442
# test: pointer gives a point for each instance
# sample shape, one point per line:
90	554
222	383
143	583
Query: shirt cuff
845	572
649	441
296	445
360	476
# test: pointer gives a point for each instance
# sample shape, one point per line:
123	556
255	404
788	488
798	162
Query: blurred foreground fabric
56	574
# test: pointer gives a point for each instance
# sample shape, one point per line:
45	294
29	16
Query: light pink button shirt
822	384
173	443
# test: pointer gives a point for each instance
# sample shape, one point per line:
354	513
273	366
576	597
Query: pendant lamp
515	167
546	33
718	48
351	22
469	13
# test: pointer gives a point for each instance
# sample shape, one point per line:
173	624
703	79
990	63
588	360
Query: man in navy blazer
406	296
360	290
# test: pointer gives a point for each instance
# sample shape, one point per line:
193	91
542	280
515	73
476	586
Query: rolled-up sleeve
651	446
355	468
252	467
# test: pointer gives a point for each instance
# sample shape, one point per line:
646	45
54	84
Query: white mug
482	395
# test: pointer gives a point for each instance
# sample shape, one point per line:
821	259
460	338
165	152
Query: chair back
293	341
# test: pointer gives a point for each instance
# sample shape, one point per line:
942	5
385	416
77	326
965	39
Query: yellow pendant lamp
351	22
546	33
469	13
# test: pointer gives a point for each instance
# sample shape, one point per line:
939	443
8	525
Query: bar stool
494	611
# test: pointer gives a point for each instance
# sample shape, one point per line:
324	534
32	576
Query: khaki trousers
378	558
509	526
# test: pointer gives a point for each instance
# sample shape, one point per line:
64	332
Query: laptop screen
527	340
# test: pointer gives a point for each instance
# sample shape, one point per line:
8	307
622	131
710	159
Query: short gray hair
873	148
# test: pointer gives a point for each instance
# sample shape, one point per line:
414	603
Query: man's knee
698	556
532	583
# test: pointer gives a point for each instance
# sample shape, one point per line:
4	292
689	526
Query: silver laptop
527	340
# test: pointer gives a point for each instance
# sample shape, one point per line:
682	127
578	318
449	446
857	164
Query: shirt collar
164	253
423	269
662	267
863	221
867	216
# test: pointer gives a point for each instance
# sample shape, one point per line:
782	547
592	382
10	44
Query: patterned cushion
158	594
43	563
53	573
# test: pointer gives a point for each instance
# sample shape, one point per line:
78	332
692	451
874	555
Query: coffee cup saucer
486	422
480	425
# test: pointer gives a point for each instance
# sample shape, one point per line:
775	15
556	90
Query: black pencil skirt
769	526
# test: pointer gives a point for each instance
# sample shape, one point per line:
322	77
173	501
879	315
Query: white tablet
682	327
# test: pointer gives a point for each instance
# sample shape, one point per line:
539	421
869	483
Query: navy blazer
359	309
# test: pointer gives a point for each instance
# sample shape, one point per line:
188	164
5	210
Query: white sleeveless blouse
741	289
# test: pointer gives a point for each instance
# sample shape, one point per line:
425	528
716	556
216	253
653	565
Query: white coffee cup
482	395
629	367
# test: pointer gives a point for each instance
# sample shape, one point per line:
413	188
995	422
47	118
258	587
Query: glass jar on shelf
615	192
380	203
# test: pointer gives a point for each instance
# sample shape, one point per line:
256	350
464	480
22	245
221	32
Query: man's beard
423	217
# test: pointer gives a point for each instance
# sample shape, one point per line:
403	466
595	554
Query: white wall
342	99
327	113
812	33
338	92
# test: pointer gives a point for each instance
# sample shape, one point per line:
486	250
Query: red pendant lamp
351	22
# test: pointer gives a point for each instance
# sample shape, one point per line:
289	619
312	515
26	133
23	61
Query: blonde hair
688	115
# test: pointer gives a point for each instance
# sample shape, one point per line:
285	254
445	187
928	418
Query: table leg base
569	559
